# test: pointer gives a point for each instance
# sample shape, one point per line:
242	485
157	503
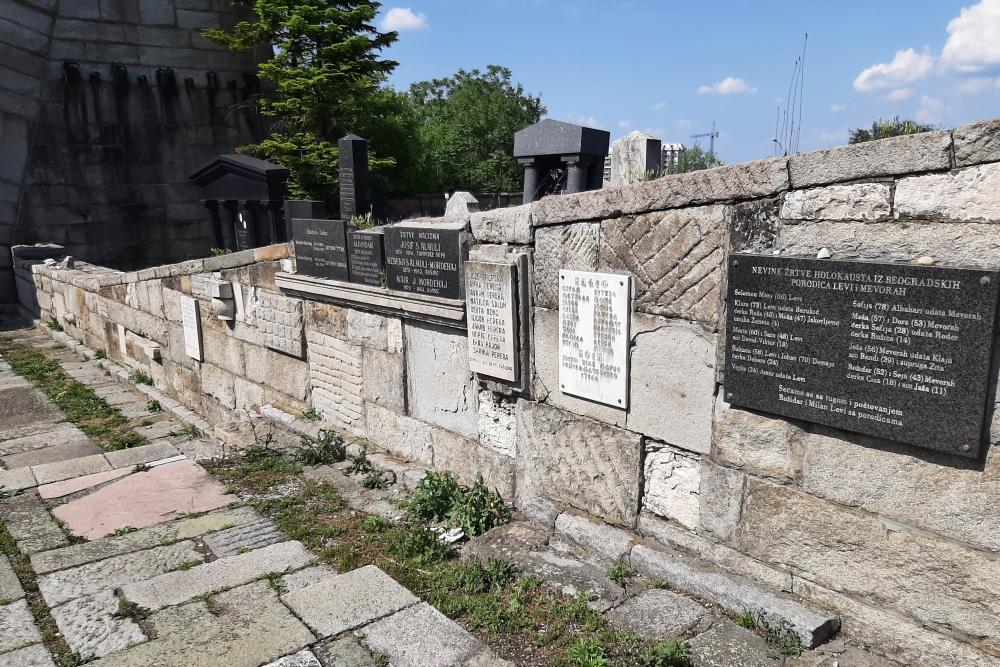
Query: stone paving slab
421	636
304	658
163	493
16	480
13	381
33	656
62	434
22	406
36	428
90	628
115	572
349	600
175	588
137	409
47	473
657	614
158	429
344	652
10	586
728	645
128	458
255	535
145	538
75	484
251	628
30	524
55	453
306	577
17	626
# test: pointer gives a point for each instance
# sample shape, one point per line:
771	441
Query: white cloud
837	108
622	124
400	19
906	67
899	94
589	121
976	84
659	106
973	44
728	86
684	123
932	110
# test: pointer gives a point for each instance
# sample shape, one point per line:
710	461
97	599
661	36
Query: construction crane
713	135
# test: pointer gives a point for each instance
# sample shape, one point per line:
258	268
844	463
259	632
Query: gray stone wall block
978	142
928	151
468	459
606	541
218	383
337	381
721	498
762	445
938	582
967	195
367	329
408	438
753	225
672	383
384	379
565	247
277	371
326	319
280	322
497	425
441	389
577	462
503	225
157	12
859	201
751	180
672	479
675	257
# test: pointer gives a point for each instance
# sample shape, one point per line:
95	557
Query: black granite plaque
366	256
898	351
320	248
426	258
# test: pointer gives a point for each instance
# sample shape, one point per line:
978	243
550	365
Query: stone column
531	173
576	174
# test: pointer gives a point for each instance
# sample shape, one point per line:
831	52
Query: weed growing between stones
130	610
105	424
53	324
310	415
153	406
100	354
780	636
440	498
190	432
140	377
326	448
621	573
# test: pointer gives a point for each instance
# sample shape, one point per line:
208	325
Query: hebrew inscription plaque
594	318
320	248
491	314
897	351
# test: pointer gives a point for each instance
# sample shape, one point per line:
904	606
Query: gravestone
897	351
192	327
635	157
491	314
353	174
427	258
461	205
308	209
551	146
595	312
320	248
366	256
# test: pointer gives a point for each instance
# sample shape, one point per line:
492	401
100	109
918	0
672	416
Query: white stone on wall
968	195
279	320
861	201
336	378
497	426
672	480
441	390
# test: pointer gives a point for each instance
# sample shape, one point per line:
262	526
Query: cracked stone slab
145	538
174	588
58	471
52	455
657	614
304	658
115	572
33	656
20	406
10	585
128	458
17	626
246	537
90	628
30	523
421	636
166	492
69	486
349	600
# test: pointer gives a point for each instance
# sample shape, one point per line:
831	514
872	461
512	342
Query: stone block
927	151
675	257
346	651
467	459
35	655
760	444
497	426
248	395
503	225
17	627
404	436
726	643
128	458
976	143
367	329
218	383
384	379
658	615
578	462
598	538
751	180
92	629
157	12
30	524
421	636
441	389
243	538
672	383
224	351
672	481
304	658
326	319
10	585
859	201
277	371
753	225
938	582
967	195
335	375
279	319
564	247
720	494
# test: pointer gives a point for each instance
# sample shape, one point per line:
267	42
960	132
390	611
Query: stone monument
427	258
635	157
354	195
554	145
491	311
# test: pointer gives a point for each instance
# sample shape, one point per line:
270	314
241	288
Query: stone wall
99	162
903	543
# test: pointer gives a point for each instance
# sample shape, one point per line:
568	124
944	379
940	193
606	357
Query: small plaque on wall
192	327
595	312
491	312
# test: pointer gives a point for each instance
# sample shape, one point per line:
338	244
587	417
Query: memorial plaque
491	313
594	321
426	258
192	327
366	256
898	351
320	248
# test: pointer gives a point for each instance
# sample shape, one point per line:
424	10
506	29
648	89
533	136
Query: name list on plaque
897	351
426	258
320	248
491	315
594	319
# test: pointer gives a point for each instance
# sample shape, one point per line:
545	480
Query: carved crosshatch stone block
279	320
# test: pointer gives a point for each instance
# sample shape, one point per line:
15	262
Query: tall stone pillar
353	174
576	174
531	179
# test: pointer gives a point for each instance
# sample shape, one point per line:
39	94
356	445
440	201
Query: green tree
324	64
695	158
883	128
466	129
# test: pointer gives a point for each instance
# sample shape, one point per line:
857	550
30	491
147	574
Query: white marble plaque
192	327
490	311
594	316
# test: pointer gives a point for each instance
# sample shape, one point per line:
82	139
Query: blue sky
672	68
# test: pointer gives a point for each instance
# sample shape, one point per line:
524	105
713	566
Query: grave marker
366	256
320	248
426	258
491	313
192	327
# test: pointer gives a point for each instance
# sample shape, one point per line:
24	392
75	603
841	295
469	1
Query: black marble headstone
427	258
320	248
353	174
897	351
366	256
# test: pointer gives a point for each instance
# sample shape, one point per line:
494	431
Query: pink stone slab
161	494
60	489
